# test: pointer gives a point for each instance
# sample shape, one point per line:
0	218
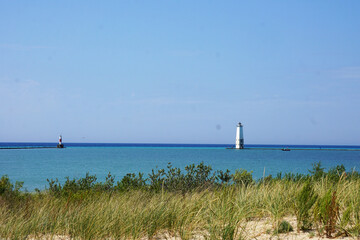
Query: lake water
34	166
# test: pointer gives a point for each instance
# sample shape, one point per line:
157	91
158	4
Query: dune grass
217	211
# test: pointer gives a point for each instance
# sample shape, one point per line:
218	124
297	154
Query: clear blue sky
180	71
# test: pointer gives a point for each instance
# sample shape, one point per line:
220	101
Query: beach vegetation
9	189
283	227
185	203
336	173
242	177
224	177
317	172
130	181
10	194
304	202
327	213
196	177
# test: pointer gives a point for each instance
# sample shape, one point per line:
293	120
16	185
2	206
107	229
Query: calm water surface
34	166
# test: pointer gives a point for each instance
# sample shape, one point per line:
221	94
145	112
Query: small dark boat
286	149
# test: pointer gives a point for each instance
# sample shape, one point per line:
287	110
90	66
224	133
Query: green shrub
85	183
223	177
283	227
305	199
10	194
242	177
73	186
317	171
54	187
5	185
131	181
197	177
327	212
335	173
7	189
108	185
156	179
174	179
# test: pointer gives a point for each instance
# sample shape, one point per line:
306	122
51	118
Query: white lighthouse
239	144
60	144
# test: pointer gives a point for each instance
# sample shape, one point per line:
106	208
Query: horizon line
276	144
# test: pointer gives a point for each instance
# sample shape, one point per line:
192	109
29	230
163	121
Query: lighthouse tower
60	144
239	144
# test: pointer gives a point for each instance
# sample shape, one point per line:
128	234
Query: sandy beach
261	229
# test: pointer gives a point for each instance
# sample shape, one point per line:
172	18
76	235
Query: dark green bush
197	177
335	173
10	193
7	188
174	179
156	179
108	185
5	185
242	177
317	171
283	227
131	181
73	186
223	177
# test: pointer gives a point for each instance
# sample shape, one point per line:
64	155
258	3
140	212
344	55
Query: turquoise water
34	166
